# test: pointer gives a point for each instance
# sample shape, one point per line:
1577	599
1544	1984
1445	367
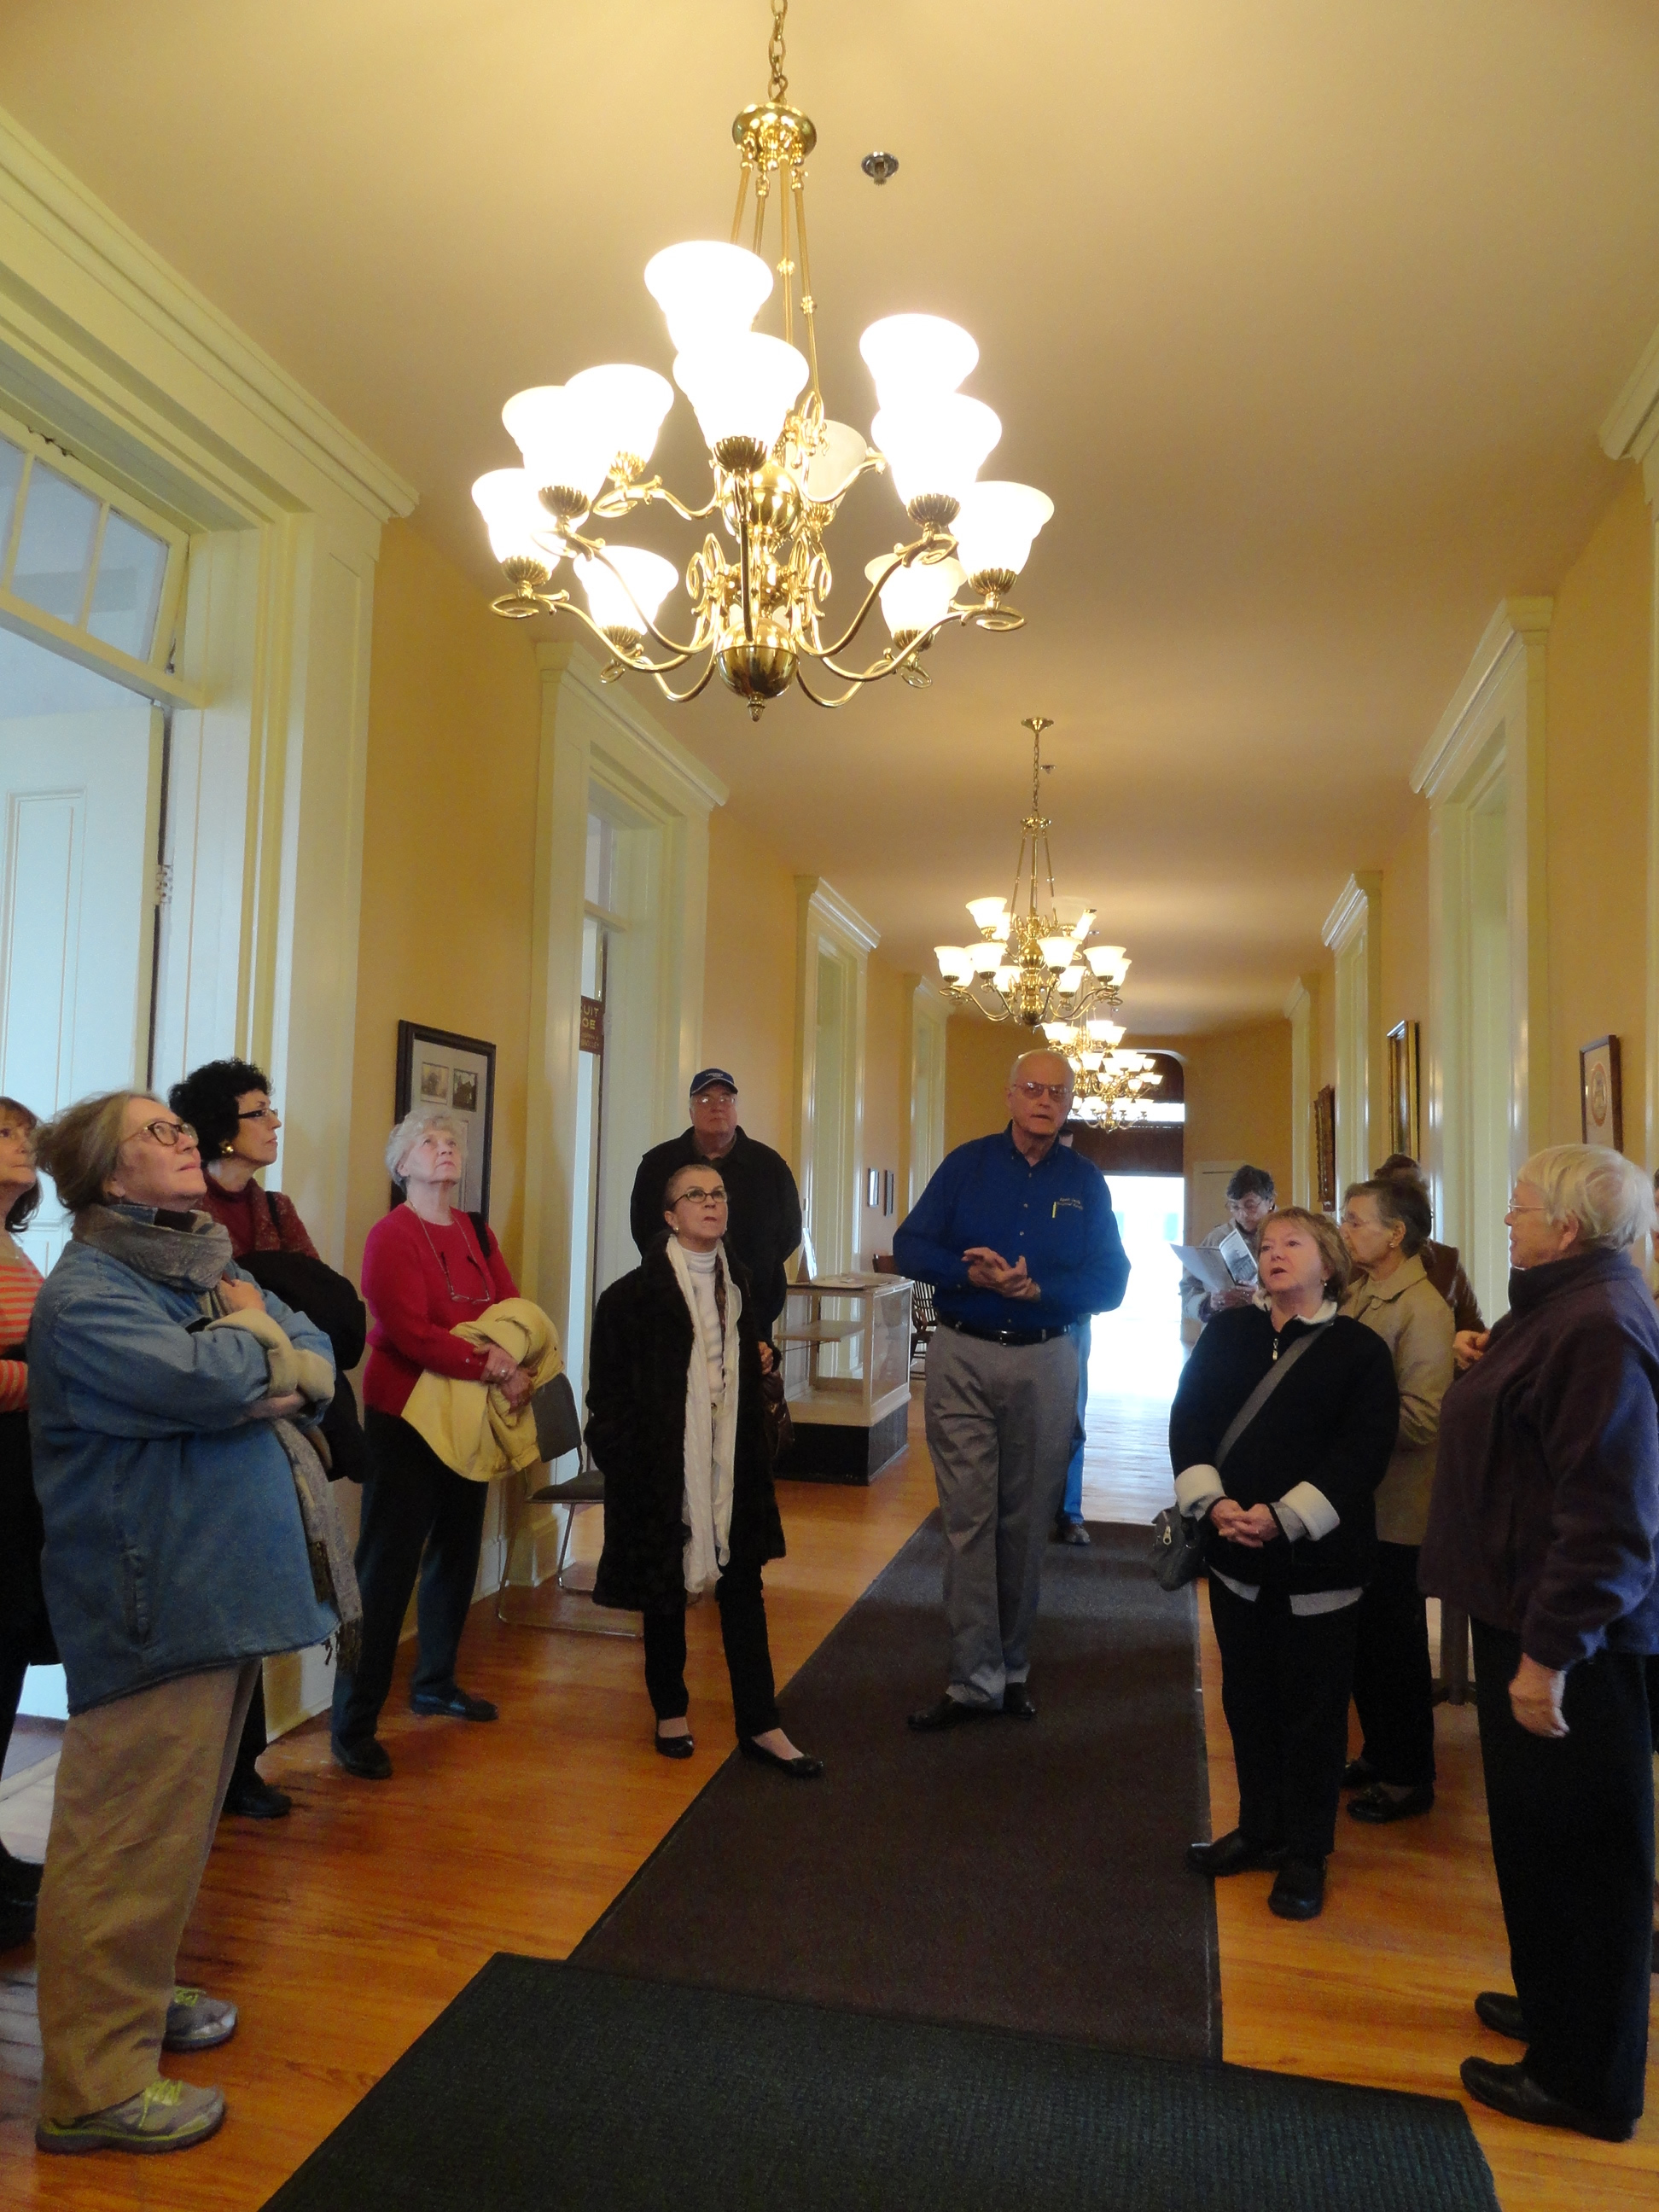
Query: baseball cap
706	1077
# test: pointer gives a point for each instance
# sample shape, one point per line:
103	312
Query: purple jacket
1545	1515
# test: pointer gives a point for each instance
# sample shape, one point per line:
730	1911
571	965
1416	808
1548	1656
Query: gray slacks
999	1422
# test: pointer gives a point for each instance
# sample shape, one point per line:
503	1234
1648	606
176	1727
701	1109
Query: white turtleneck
701	1265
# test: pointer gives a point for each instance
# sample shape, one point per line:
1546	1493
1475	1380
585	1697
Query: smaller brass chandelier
1110	1077
1033	964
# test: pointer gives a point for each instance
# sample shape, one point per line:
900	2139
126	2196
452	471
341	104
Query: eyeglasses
260	1114
168	1134
1514	1208
697	1197
1056	1091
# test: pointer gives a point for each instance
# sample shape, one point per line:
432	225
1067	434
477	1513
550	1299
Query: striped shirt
20	1285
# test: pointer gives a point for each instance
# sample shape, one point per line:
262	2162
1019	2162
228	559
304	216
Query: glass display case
847	1375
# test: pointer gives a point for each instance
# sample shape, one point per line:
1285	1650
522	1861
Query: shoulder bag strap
1264	1390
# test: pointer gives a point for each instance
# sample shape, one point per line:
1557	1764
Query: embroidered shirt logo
1054	1211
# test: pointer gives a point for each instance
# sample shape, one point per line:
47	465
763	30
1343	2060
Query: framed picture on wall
1600	1097
1404	1128
439	1068
1324	1111
889	1191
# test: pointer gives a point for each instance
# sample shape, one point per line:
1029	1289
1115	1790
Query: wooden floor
344	1930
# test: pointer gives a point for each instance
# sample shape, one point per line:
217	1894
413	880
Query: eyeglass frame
178	1133
265	1113
1035	1090
696	1195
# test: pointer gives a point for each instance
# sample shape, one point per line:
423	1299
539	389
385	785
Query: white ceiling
1304	315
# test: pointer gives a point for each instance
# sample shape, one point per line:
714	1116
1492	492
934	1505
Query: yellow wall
749	979
449	835
1238	1098
977	1058
1596	807
1406	935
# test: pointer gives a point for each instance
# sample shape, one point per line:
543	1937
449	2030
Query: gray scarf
190	1252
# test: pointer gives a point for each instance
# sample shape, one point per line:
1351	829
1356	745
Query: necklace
465	1298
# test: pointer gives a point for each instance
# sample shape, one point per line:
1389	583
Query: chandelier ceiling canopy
779	467
1034	963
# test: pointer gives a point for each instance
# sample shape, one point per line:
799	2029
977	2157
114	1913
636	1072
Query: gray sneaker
197	2021
167	2116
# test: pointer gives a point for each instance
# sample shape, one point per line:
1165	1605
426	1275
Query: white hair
418	1122
1609	1196
1043	1052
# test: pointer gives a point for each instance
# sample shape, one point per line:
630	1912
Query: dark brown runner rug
1020	1874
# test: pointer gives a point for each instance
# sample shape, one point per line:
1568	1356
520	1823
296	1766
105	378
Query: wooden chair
558	1433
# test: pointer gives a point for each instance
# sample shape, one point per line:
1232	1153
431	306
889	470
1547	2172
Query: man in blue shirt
1017	1233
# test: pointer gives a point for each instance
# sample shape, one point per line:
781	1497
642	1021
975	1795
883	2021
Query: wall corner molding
1350	912
622	713
1629	430
813	892
1518	627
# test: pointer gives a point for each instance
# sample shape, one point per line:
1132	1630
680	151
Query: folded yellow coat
471	1425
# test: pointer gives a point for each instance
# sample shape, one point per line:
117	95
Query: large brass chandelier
779	469
1033	964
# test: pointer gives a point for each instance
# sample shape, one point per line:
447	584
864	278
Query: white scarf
711	1433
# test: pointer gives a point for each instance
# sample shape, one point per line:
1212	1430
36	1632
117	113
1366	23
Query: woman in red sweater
25	1637
424	1270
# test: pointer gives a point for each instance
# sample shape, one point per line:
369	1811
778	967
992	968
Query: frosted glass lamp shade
996	526
628	404
707	291
1105	1032
1069	979
1120	972
987	957
1103	958
1057	951
1091	1061
563	440
836	462
954	963
914	599
742	385
915	357
990	914
936	447
647	576
1005	979
512	515
1059	1033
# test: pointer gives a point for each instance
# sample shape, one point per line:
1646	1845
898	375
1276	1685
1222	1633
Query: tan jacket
1415	1322
470	1426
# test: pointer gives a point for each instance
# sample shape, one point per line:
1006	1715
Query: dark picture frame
1404	1114
1600	1093
1324	1111
441	1066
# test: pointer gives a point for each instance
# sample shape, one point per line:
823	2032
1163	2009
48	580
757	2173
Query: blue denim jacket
174	1537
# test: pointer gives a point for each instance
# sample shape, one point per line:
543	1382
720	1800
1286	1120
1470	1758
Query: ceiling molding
1631	425
827	903
38	195
1515	623
622	711
1351	910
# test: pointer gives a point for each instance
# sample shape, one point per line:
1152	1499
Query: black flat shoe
949	1713
1357	1775
1017	1702
1511	2090
675	1746
1298	1890
802	1767
1377	1807
20	1879
1501	2012
1233	1853
454	1704
368	1760
256	1800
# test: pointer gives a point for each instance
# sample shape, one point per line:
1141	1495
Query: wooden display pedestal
839	1451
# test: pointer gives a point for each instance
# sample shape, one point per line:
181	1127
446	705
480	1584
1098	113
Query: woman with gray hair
427	1265
189	1533
1543	1527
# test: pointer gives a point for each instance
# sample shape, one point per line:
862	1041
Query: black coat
763	1224
637	1365
1331	1422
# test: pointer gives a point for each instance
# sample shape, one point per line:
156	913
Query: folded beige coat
471	1425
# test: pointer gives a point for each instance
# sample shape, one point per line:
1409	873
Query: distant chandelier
779	469
1031	965
1110	1079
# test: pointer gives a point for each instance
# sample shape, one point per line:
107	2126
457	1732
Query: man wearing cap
1018	1234
764	1220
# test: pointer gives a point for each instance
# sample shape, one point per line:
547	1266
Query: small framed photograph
439	1067
1404	1119
1325	1147
1601	1099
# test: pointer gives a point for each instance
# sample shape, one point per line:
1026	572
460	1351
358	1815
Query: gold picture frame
1324	1111
1600	1093
1405	1120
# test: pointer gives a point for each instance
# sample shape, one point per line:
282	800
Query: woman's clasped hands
1253	1526
504	1373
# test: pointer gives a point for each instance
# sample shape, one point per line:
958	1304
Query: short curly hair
1250	1182
207	1100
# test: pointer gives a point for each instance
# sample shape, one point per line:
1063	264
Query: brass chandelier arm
682	698
681	654
616	506
850	693
903	558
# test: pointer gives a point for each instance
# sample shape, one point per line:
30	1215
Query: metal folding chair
558	1433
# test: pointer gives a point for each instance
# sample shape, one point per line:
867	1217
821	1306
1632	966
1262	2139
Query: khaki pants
140	1786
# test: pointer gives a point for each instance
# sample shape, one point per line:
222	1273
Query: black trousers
254	1740
742	1602
1572	1841
1285	1681
1392	1678
418	1518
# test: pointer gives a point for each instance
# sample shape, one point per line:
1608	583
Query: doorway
1136	1356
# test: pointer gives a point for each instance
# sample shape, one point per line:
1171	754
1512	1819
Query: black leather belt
1014	1336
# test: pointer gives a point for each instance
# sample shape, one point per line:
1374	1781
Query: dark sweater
1331	1423
764	1211
1545	1514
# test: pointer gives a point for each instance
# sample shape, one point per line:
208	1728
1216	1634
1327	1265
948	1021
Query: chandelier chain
779	85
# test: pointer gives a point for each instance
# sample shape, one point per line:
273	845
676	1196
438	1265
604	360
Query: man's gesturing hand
989	1271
